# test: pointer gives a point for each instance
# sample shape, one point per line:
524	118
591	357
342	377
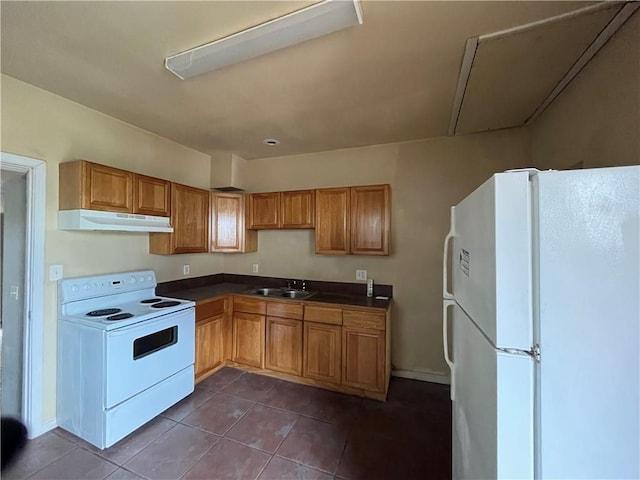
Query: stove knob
132	279
75	288
149	278
87	286
141	278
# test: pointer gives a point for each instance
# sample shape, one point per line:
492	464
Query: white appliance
545	310
112	221
124	354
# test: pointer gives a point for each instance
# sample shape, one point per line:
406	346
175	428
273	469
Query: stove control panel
72	289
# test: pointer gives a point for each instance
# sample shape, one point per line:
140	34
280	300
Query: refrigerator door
493	407
491	259
589	323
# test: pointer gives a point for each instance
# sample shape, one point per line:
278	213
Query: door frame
33	361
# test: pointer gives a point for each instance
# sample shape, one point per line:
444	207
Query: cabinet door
91	186
322	352
209	345
370	220
264	210
248	339
151	196
284	345
190	219
228	232
332	221
297	209
363	359
108	189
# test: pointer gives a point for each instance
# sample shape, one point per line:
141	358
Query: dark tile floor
241	426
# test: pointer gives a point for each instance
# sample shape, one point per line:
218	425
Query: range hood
227	172
112	221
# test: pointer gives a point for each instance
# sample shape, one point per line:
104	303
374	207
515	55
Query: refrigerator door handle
445	342
445	258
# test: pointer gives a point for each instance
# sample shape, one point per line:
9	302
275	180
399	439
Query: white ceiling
391	79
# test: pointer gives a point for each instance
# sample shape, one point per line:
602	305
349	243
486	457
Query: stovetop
115	300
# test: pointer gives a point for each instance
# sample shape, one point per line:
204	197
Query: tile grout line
297	462
75	447
147	446
186	472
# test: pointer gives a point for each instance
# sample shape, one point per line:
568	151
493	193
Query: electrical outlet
186	269
255	268
361	274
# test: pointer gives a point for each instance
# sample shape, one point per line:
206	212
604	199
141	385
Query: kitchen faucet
291	284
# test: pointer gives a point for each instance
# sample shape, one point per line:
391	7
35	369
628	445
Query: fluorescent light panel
311	22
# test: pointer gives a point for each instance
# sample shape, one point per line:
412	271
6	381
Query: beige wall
41	125
426	178
596	120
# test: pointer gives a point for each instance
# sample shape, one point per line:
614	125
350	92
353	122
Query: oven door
141	355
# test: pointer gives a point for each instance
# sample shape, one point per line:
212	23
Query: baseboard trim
46	426
422	376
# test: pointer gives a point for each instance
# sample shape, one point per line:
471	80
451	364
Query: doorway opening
22	219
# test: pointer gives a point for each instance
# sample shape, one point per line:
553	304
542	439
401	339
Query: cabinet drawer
249	305
363	320
285	310
323	315
210	308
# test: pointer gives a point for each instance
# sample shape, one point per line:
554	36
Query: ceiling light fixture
271	142
310	22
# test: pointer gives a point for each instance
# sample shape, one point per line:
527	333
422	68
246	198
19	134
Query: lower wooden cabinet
284	345
211	327
248	339
363	359
322	352
344	349
209	345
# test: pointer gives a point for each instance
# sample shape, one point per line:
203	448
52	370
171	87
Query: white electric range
124	354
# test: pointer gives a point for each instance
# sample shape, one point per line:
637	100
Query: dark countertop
198	294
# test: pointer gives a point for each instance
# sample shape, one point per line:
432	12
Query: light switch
55	273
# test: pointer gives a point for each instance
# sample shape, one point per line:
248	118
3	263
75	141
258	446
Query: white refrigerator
542	325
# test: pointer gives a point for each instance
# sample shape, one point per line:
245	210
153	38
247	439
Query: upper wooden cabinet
353	220
190	221
264	210
90	186
228	227
297	209
152	196
294	209
332	221
370	220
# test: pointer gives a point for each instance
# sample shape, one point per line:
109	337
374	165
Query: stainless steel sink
267	292
299	294
280	292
